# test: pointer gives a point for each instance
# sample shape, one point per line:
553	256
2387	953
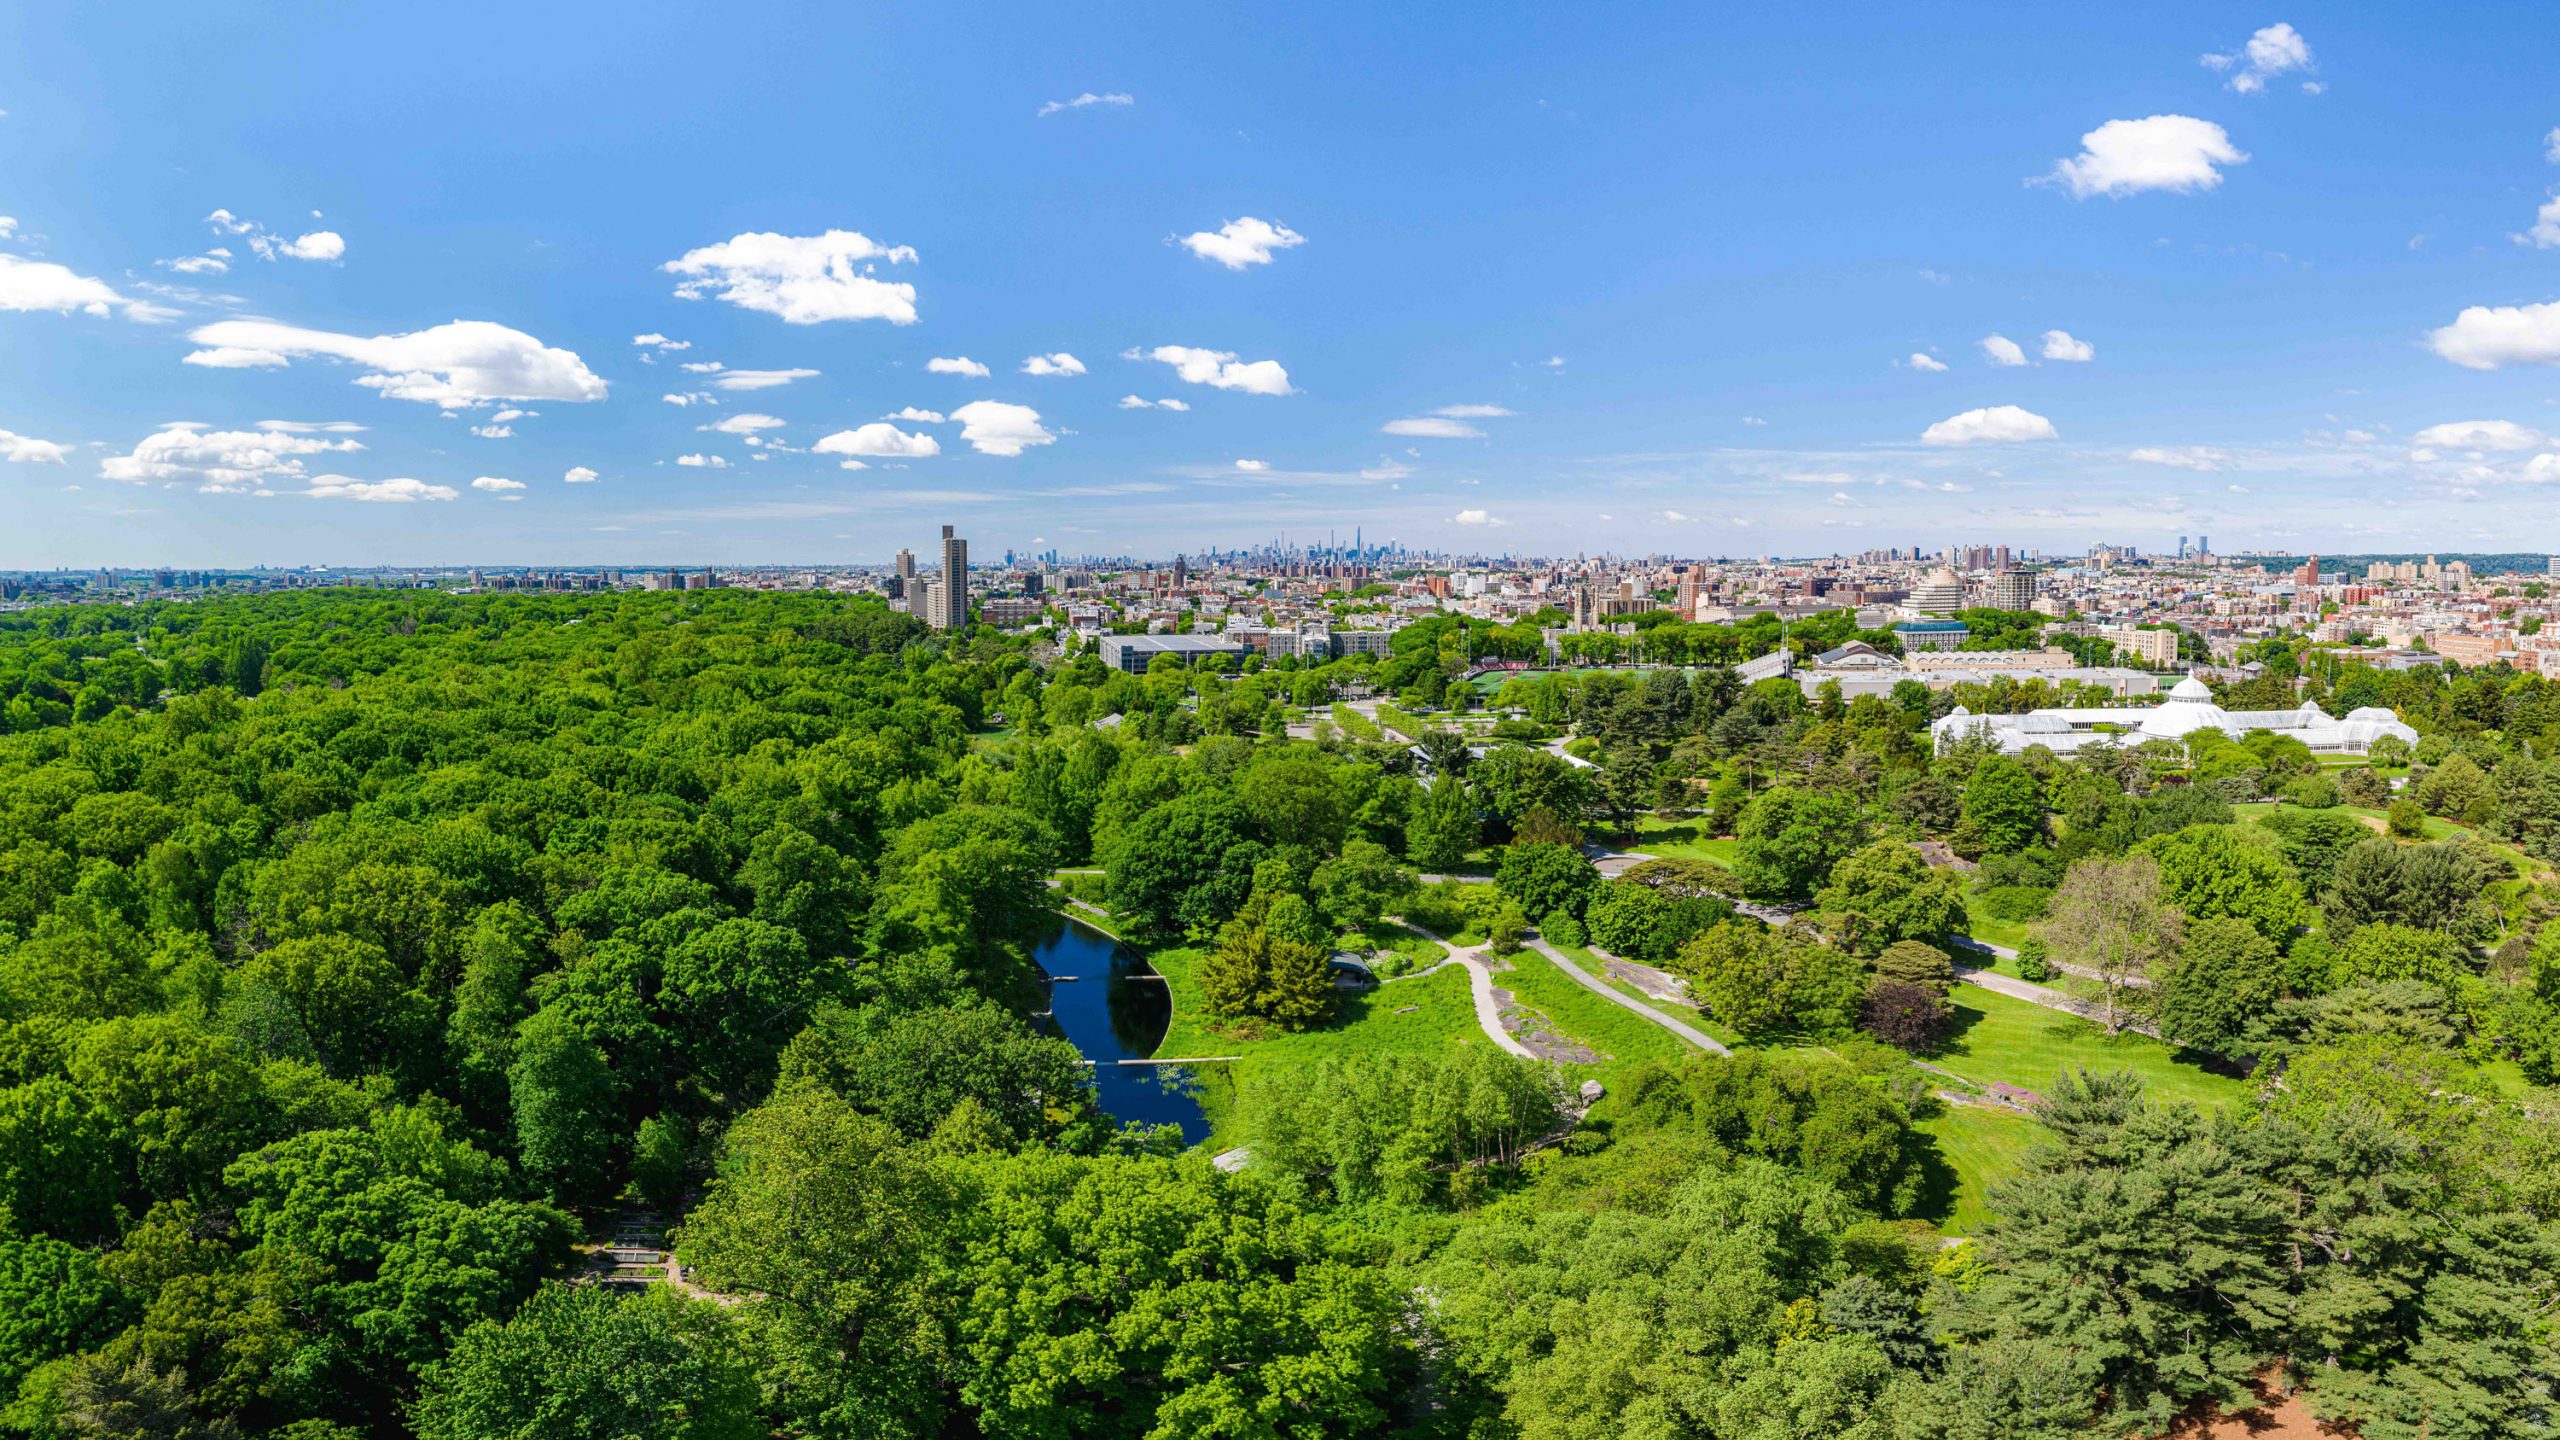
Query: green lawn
1687	838
1687	1014
1575	1012
1419	950
2505	1078
2438	828
1979	1146
1431	1015
1990	929
2001	965
2012	1042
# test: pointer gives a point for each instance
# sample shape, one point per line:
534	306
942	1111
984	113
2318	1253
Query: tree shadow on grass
1938	1180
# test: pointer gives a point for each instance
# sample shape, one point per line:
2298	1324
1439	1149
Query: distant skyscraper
950	608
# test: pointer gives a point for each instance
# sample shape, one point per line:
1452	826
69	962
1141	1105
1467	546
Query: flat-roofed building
2151	647
1133	653
1919	635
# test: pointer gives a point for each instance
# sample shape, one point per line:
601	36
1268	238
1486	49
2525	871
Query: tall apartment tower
950	610
902	585
2013	589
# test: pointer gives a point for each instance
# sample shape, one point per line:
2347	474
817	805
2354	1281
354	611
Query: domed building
2188	708
1942	593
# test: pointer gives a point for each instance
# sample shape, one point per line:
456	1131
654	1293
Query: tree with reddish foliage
1906	1016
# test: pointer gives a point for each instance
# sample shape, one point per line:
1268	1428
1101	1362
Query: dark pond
1116	1009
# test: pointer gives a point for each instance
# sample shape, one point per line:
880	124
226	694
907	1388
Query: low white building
2188	709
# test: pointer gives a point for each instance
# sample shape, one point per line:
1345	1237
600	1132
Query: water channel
1116	1009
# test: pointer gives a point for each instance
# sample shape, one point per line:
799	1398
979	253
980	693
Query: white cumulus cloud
2546	227
2160	152
1253	467
957	365
745	422
1060	363
689	397
28	450
1240	243
268	245
464	363
805	279
1087	101
42	285
655	341
1220	368
318	245
2001	350
2479	435
879	440
1140	402
1476	517
579	475
2059	345
2275	50
1993	424
703	462
1922	360
2484	337
496	484
911	413
218	461
997	428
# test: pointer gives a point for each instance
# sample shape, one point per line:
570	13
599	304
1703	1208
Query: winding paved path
1596	985
2066	967
2051	999
1480	985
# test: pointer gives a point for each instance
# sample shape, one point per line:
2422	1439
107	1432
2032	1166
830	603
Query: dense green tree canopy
368	958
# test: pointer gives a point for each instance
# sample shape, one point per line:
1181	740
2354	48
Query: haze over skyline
577	285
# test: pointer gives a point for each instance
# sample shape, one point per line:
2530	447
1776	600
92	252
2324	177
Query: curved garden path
1597	986
1479	986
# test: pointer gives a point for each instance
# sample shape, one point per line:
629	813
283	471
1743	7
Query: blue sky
1693	252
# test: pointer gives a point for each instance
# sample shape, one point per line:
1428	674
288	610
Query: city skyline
1641	282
